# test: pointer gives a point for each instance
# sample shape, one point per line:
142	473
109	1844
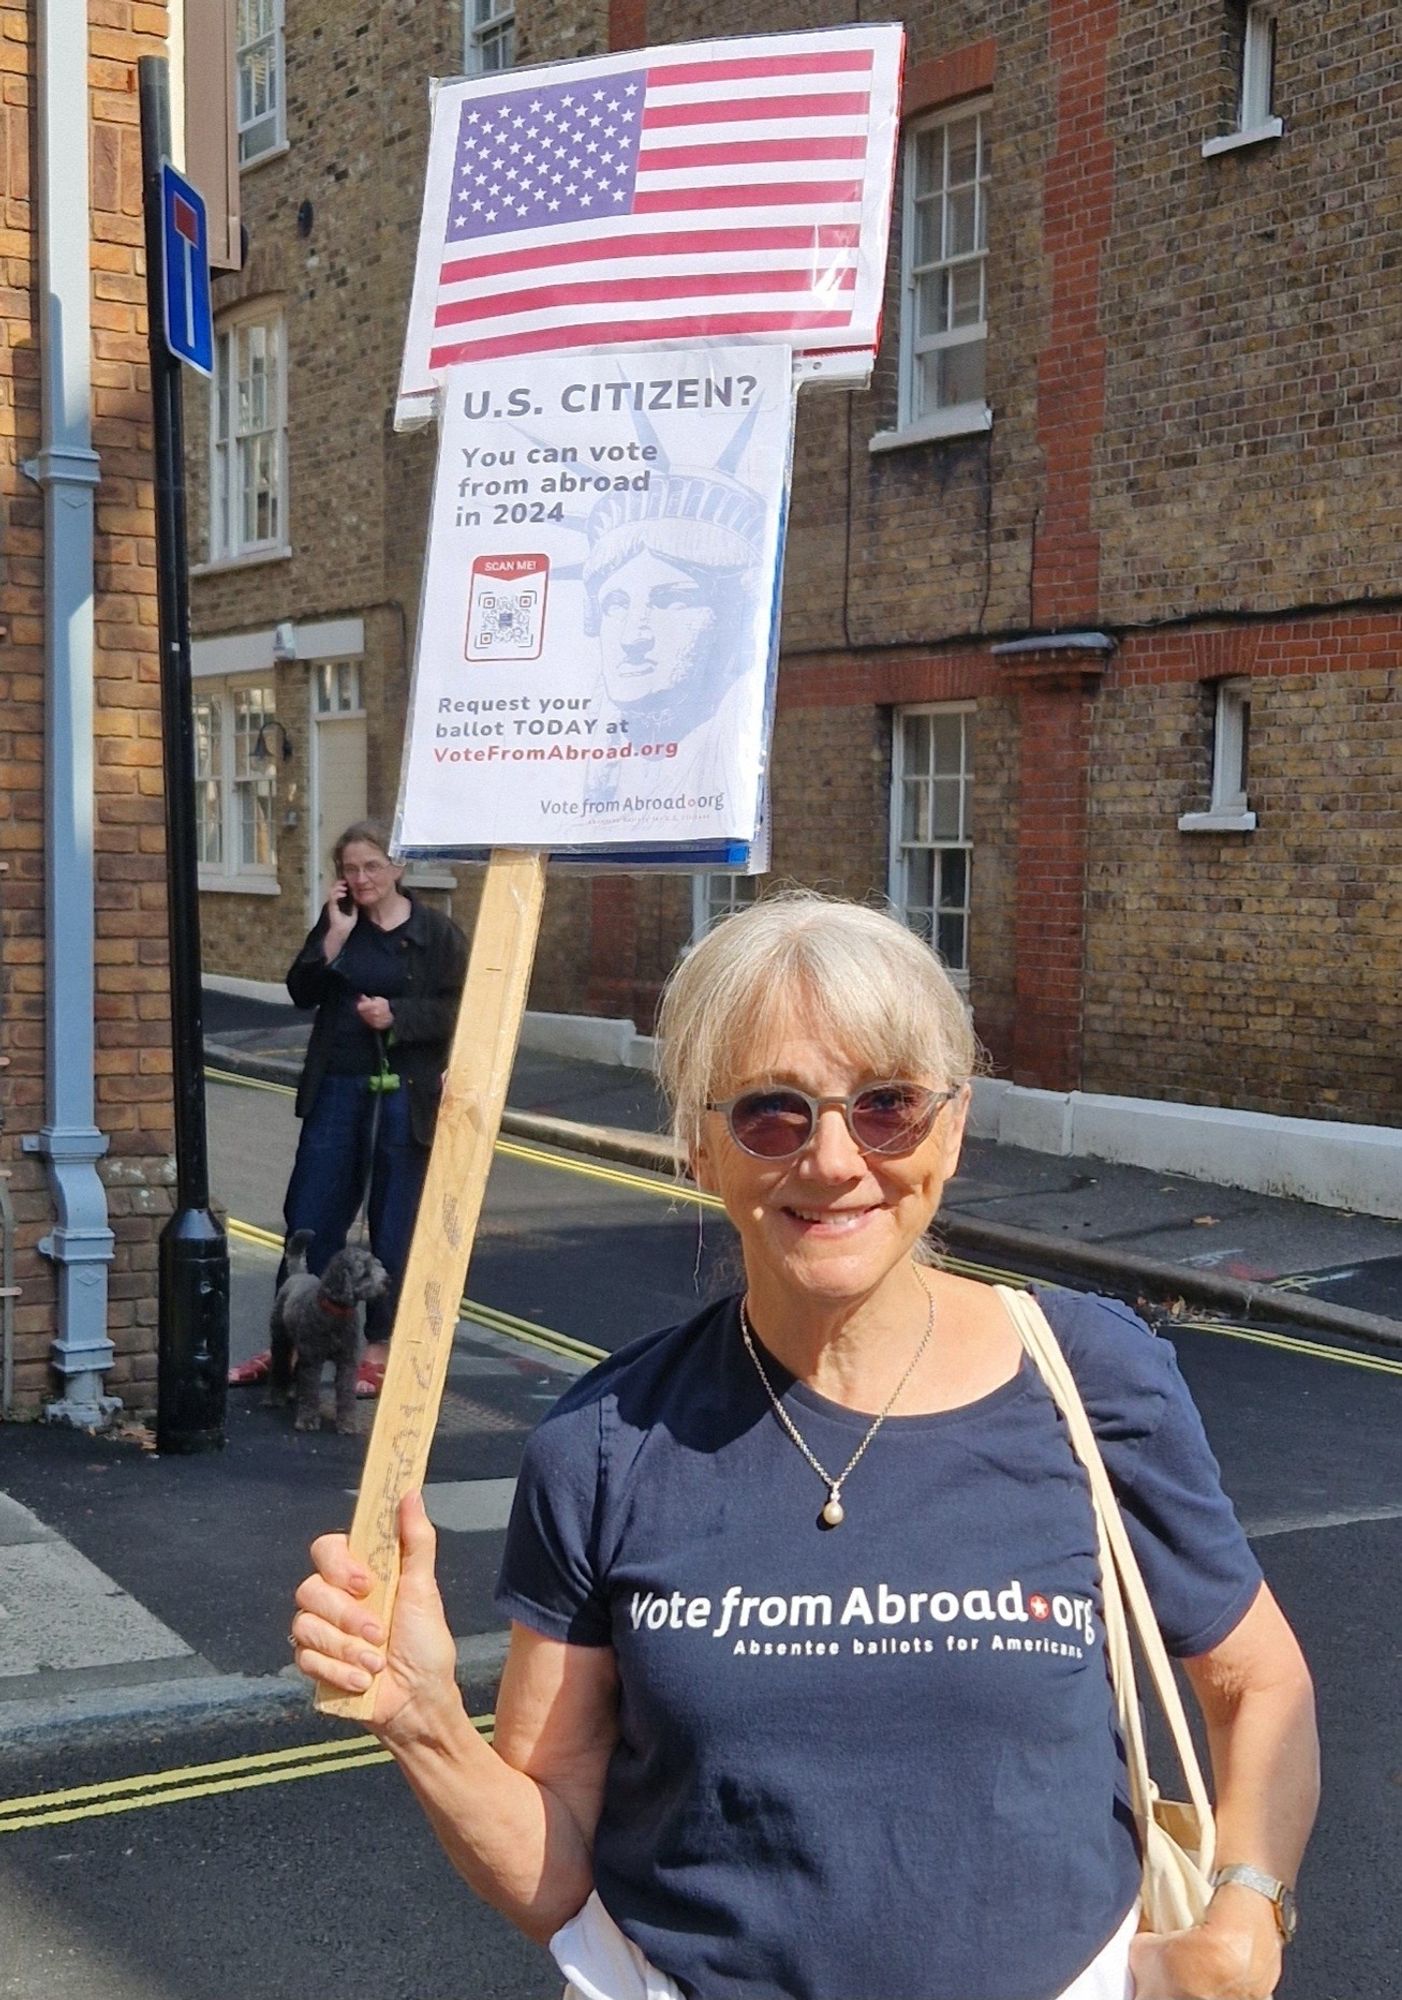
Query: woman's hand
1230	1955
339	1642
375	1012
339	922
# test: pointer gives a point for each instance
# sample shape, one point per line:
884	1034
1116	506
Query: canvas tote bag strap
1130	1595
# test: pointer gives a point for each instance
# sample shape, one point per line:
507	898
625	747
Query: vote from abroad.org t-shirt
876	1762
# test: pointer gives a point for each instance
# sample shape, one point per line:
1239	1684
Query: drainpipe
66	469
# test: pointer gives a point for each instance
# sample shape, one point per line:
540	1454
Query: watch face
1289	1915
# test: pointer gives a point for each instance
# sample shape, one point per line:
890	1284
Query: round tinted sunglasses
777	1121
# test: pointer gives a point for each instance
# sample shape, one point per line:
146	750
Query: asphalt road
326	1882
323	1885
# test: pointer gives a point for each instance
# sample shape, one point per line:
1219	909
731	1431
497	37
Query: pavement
136	1586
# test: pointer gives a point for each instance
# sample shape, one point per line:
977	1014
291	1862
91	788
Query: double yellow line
197	1781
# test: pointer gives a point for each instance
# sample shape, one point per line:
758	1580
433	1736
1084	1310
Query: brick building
1091	644
85	1110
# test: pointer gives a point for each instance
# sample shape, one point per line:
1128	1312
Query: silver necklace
833	1514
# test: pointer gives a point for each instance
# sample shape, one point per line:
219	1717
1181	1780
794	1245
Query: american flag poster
735	191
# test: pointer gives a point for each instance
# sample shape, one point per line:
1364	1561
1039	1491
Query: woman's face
369	874
655	626
832	1224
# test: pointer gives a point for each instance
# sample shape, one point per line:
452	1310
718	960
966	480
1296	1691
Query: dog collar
333	1306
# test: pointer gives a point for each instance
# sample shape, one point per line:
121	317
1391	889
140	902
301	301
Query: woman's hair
368	832
851	976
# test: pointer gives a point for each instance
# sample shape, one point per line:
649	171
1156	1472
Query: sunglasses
777	1121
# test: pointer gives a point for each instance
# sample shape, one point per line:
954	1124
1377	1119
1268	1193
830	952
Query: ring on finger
293	1641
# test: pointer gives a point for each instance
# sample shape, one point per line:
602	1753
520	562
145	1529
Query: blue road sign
189	327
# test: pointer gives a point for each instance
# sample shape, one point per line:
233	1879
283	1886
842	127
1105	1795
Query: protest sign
601	601
735	190
625	267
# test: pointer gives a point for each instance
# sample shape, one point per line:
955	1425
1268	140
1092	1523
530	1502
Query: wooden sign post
474	1096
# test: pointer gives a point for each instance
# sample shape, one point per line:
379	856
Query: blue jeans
330	1172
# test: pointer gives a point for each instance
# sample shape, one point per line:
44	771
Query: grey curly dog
316	1320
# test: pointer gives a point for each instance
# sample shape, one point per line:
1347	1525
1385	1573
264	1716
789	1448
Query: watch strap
1278	1894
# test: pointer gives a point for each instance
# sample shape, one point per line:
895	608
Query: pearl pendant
832	1515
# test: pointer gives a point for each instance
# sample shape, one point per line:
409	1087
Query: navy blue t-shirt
877	1762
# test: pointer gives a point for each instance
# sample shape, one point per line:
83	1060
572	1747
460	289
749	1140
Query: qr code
507	621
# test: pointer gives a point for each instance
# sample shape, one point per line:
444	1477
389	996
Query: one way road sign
189	324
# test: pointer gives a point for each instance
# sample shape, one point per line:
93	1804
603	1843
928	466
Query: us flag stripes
726	190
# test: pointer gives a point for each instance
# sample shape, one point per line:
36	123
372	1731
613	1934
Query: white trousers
600	1963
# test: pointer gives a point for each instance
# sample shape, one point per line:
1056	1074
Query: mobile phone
345	902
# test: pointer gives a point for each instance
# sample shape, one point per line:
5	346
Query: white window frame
486	25
898	887
1230	807
226	451
338	678
1255	110
716	893
953	419
263	135
230	872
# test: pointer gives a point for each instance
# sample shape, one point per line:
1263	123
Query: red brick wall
132	999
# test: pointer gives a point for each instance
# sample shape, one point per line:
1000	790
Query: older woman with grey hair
806	1694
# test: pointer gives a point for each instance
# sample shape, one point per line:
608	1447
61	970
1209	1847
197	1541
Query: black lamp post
192	1364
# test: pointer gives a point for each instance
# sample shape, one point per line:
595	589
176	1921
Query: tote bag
1177	1838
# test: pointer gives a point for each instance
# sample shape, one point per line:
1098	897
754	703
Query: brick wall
1249	307
132	999
1262	970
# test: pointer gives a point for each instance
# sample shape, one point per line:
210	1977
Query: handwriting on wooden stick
474	1096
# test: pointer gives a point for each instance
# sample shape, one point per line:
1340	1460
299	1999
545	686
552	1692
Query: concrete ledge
271	992
986	1106
1309	1159
1040	1120
587	1037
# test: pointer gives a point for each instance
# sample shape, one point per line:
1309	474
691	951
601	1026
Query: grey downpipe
66	470
7	1301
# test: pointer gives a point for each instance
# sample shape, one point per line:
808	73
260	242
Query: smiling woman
807	1690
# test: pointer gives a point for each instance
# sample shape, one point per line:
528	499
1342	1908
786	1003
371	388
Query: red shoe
369	1378
248	1374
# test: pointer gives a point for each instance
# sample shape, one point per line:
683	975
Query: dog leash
381	1079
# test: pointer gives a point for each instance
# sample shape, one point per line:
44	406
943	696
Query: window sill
240	885
1217	822
966	420
254	559
262	159
1232	142
429	878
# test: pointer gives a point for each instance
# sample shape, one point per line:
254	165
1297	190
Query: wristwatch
1281	1898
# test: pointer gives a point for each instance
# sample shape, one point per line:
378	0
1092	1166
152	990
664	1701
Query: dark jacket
424	1015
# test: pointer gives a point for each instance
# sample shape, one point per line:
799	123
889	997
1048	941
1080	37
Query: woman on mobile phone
384	974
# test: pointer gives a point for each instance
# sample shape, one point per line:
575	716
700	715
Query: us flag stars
515	152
